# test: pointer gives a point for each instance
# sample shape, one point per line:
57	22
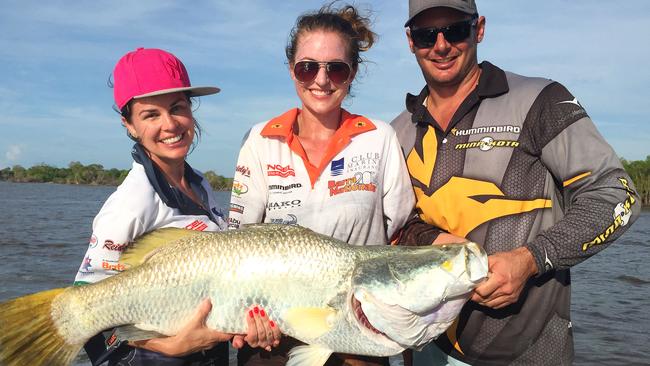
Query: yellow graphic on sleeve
463	204
421	168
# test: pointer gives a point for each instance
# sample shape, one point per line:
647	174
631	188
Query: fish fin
136	332
29	335
309	355
310	323
146	246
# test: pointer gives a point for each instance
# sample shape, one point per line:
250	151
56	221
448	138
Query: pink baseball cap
146	72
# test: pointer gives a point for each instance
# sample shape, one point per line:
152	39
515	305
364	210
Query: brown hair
346	21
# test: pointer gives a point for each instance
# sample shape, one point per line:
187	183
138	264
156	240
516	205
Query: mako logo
486	144
281	205
486	130
621	215
277	170
239	188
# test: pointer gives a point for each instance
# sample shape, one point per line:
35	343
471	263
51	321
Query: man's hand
508	273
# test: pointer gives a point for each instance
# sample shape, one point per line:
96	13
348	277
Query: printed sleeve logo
197	225
277	170
110	245
236	208
93	241
486	130
243	170
621	215
239	188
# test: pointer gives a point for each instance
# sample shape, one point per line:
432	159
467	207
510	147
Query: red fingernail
256	310
271	323
262	313
250	312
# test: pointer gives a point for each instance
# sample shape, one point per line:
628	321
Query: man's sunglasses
427	37
337	71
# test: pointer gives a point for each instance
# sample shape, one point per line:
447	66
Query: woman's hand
262	331
195	336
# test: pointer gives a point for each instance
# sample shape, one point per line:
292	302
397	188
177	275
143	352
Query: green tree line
93	174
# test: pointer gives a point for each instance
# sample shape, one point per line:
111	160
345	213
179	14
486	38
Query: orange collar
351	125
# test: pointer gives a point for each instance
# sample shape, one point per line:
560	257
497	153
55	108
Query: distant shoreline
92	175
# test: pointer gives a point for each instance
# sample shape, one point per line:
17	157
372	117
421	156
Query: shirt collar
282	126
491	83
171	196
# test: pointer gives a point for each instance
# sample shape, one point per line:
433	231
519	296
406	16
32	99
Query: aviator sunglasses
337	71
427	37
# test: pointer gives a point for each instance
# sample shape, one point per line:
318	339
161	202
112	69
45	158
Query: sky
56	58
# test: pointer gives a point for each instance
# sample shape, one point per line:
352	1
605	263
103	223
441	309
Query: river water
44	231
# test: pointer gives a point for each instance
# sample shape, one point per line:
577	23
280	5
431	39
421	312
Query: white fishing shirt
360	193
134	209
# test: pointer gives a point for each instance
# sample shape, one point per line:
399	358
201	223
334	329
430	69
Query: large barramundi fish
367	300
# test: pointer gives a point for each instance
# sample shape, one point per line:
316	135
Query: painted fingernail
262	313
250	313
256	310
271	323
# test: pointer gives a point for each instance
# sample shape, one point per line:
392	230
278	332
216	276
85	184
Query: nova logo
277	170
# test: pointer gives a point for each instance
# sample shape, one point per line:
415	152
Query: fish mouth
361	317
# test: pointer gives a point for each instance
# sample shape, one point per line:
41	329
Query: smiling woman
319	166
152	92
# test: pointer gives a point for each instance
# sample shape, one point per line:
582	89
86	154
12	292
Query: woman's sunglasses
337	71
427	37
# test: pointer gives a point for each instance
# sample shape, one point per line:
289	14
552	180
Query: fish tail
28	334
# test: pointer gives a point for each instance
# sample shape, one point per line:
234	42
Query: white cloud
13	153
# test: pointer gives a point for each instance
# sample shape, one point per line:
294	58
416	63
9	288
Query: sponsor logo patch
233	223
243	170
110	245
487	143
337	167
277	170
236	208
280	187
113	266
86	266
486	130
92	243
281	205
337	187
239	188
197	225
290	220
365	161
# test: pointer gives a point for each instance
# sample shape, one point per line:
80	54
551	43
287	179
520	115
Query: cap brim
194	91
